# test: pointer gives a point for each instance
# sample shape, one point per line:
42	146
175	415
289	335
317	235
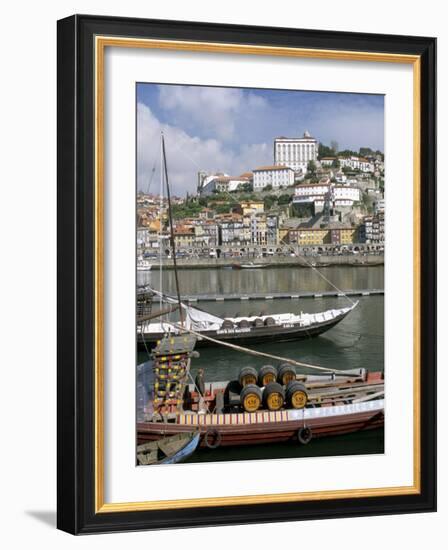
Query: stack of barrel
271	388
171	365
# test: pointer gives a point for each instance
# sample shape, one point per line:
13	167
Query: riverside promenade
277	261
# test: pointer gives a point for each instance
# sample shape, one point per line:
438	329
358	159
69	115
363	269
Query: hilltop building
275	176
295	152
220	182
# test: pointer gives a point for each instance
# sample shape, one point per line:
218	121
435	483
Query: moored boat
335	404
271	427
143	265
249	265
244	330
170	449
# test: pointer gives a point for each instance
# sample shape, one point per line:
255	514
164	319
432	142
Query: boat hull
184	453
262	432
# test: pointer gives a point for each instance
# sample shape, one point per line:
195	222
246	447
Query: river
358	341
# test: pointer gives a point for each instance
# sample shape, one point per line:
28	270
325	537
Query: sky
232	130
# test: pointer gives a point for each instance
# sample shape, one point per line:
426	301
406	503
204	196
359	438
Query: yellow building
184	237
348	235
283	235
251	207
312	236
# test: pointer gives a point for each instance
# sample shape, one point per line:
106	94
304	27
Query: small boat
168	450
248	265
143	265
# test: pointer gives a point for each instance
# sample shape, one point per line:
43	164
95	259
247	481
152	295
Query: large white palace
295	152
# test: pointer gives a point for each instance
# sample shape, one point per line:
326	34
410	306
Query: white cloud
213	111
187	154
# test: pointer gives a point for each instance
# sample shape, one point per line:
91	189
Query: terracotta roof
276	167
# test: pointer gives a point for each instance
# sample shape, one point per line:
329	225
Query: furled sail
195	318
201	319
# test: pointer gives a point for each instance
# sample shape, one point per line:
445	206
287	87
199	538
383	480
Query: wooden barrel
273	396
227	324
258	322
250	398
269	321
296	395
267	374
244	323
286	373
248	375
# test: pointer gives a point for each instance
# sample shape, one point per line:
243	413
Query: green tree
348	153
246	187
222	208
336	163
325	151
365	151
283	199
269	201
312	167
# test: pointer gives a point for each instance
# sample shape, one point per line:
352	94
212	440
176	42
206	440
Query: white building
277	176
295	152
379	206
356	163
220	183
317	194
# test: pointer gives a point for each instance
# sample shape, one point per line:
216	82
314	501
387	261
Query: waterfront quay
285	256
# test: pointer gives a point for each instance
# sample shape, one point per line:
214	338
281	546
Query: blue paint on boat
184	453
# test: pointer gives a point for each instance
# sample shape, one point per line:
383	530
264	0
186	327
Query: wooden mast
172	239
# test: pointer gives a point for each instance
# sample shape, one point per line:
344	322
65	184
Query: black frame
75	475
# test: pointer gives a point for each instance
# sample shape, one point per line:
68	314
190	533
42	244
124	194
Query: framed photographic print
246	271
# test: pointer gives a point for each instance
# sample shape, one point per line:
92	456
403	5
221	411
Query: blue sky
232	129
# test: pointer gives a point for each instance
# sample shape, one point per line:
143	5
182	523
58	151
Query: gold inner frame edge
101	42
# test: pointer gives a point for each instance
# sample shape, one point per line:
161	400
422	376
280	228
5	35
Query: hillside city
312	200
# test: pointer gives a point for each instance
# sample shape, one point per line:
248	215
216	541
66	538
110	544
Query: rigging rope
327	280
253	352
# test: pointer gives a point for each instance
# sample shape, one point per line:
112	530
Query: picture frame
82	41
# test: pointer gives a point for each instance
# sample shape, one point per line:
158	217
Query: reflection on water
358	341
277	279
368	442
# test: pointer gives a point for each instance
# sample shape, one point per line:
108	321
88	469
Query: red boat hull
272	432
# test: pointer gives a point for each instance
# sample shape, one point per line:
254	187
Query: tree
348	153
283	199
312	167
268	187
246	187
302	210
325	151
222	208
335	146
269	201
336	163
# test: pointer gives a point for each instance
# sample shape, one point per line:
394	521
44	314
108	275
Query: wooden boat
168	450
278	327
350	402
249	265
